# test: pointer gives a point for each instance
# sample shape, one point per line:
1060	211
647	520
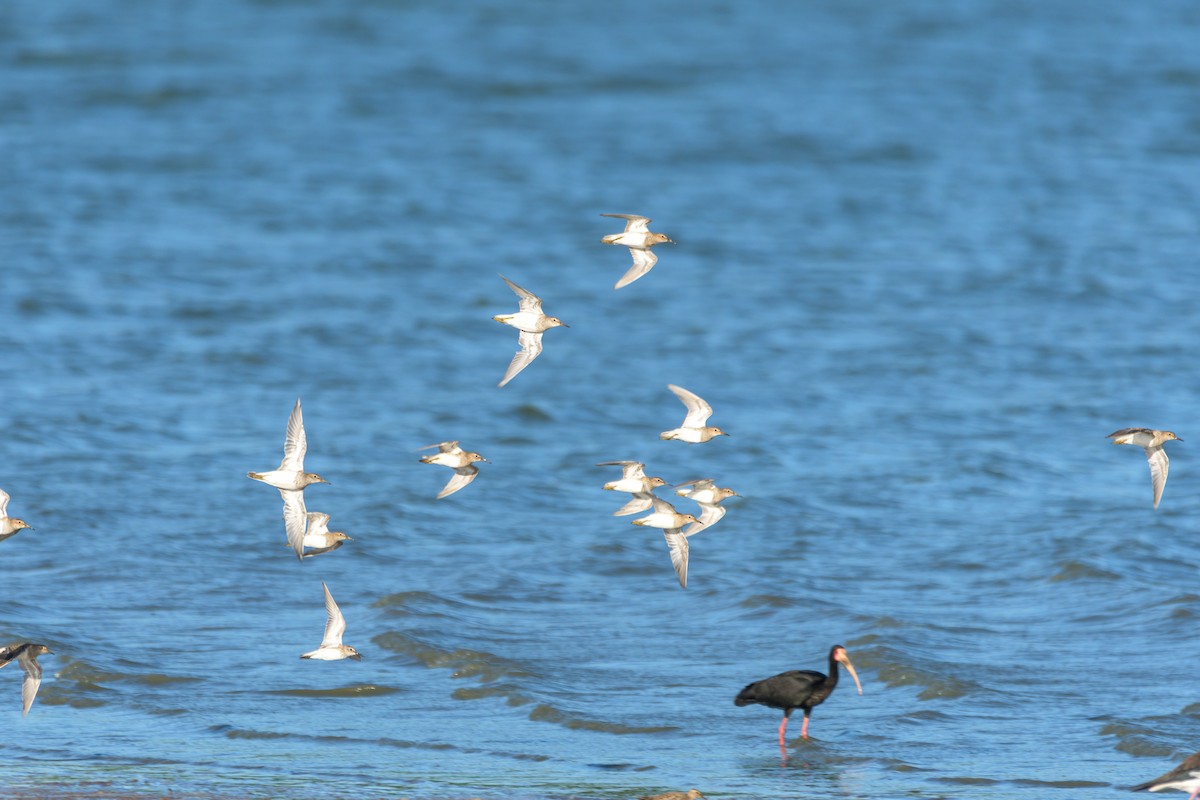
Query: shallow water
928	256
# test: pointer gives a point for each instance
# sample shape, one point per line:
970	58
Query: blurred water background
929	254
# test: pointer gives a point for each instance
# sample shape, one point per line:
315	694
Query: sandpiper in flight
531	323
1152	442
638	238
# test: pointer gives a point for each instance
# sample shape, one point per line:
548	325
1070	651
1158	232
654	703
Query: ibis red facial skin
798	688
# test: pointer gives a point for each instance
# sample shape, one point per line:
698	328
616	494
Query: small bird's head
723	493
39	650
660	238
689	518
352	653
1171	435
477	457
19	523
715	431
338	536
312	477
655	482
555	322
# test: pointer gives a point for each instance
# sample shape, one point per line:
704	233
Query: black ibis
798	688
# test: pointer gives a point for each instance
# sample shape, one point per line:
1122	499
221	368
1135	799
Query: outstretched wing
335	623
639	503
528	300
295	519
33	681
643	262
296	444
693	486
1158	470
710	513
633	222
626	465
698	411
443	447
462	476
318	523
531	348
678	545
662	506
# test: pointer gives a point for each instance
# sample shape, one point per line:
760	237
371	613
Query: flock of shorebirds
308	532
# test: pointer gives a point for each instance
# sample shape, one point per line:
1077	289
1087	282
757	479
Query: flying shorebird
638	238
290	475
26	654
307	528
798	688
664	516
531	323
1152	441
331	648
1185	778
9	526
671	522
461	461
693	428
635	481
318	538
709	496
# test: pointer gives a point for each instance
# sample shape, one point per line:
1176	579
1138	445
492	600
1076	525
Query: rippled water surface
928	254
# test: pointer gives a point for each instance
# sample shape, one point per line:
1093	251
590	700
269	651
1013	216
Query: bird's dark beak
845	659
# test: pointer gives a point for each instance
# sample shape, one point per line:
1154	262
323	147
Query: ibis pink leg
804	728
782	729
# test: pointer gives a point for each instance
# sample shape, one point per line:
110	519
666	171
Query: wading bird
798	688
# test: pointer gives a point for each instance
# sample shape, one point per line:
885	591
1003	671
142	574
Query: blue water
928	255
